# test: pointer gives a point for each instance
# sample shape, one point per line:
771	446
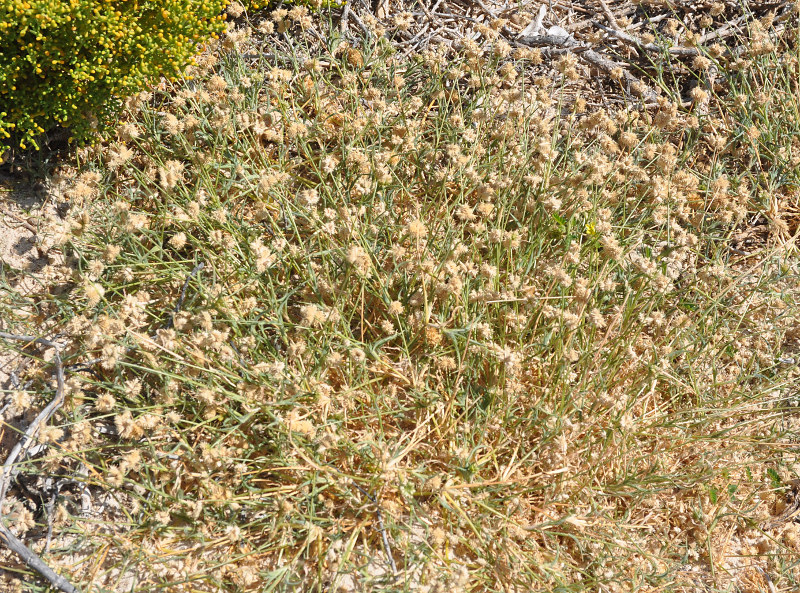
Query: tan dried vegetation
452	322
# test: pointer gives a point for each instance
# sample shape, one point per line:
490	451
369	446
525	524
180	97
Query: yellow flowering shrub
69	62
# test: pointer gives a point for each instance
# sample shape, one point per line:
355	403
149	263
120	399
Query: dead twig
733	27
13	542
50	507
730	29
381	527
492	14
361	24
582	24
31	559
449	15
790	512
30	339
485	8
345	16
612	20
651	47
567	42
372	499
24	223
179	304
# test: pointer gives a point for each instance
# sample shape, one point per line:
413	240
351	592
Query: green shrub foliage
69	62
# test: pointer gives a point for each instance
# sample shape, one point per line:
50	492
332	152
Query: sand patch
22	260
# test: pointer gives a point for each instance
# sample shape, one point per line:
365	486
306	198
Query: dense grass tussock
448	323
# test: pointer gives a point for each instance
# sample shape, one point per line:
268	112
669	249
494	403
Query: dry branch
345	16
13	542
582	24
651	47
608	66
24	223
31	340
592	57
612	20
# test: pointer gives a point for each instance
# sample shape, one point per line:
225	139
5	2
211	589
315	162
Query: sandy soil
22	260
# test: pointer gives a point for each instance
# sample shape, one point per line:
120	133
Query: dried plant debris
683	46
443	296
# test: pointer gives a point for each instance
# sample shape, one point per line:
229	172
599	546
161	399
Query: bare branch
31	339
568	43
13	542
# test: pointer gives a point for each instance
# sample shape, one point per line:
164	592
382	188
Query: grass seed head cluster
539	336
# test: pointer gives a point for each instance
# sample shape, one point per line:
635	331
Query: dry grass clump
448	331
